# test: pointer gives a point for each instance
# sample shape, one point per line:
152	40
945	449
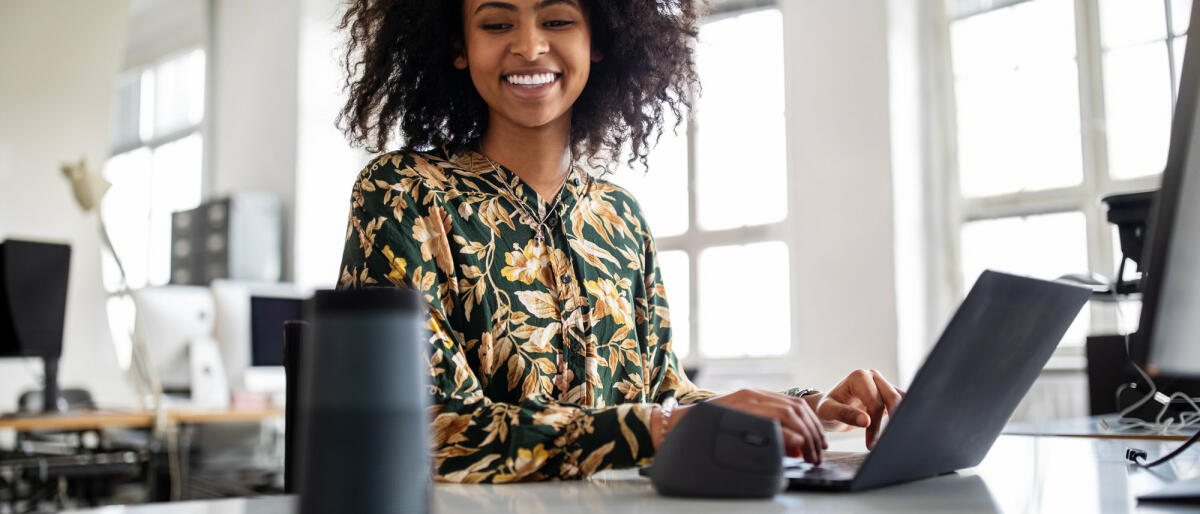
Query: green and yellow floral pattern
545	358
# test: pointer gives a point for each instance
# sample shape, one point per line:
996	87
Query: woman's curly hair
399	68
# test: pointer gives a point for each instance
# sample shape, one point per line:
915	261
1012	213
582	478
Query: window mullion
955	214
1170	42
689	246
1025	203
1089	56
1093	123
778	231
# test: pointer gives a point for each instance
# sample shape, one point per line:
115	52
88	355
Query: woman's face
529	59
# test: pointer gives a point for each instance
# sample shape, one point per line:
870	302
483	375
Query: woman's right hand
802	431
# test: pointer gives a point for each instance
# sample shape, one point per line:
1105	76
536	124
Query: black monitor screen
267	315
33	298
1171	300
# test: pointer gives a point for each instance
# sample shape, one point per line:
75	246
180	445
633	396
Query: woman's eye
559	23
497	26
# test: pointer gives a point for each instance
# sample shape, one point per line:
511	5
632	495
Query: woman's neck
538	155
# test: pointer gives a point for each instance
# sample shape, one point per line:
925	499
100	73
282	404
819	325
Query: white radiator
1055	395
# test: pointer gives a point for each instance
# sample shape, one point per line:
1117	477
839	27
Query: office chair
30	402
292	343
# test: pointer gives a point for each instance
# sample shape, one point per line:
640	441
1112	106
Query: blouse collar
473	162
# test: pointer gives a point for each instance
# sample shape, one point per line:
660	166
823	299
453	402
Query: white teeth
534	79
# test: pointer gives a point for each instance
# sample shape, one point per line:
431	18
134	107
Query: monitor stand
52	400
51	397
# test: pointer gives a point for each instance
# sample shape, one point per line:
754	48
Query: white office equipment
210	388
174	323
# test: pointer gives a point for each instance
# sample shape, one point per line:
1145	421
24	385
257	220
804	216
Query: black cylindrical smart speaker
364	427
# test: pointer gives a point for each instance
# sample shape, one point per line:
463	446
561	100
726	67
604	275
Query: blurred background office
874	155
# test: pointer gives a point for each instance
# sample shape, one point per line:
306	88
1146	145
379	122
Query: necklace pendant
540	238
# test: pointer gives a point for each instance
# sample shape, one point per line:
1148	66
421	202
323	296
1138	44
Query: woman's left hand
860	400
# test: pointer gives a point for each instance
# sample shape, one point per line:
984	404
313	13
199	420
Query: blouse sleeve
667	377
397	237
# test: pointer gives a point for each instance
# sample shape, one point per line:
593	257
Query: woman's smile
532	84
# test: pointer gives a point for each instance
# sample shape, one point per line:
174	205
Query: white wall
160	27
59	62
276	91
839	167
326	164
251	122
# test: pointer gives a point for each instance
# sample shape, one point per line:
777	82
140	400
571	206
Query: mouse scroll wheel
754	439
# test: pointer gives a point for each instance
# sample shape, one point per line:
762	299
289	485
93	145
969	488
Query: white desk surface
1020	475
1090	427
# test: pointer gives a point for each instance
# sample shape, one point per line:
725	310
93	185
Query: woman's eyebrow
498	5
540	5
547	3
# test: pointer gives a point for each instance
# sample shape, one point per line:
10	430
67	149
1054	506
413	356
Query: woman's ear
460	56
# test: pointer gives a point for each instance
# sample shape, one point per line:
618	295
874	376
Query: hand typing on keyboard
862	399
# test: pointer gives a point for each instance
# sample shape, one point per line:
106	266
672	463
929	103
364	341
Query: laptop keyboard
835	465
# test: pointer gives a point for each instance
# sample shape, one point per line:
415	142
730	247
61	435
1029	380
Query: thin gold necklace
540	222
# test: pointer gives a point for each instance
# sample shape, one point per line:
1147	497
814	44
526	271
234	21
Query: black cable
1133	454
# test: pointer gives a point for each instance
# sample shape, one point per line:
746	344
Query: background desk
1020	475
131	419
128	458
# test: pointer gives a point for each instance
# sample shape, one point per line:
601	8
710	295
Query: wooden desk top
131	419
222	416
78	421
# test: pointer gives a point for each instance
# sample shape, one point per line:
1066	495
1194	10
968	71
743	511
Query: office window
1040	245
715	196
1056	104
740	61
155	168
1012	66
1141	62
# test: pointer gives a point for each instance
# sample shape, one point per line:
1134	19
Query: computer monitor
251	338
1168	337
33	304
267	315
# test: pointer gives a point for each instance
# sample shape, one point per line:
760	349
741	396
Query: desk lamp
88	188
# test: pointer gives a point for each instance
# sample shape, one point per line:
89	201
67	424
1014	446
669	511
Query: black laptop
986	360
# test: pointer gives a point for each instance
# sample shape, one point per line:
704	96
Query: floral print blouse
546	358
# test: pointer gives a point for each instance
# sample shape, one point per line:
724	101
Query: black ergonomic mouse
718	452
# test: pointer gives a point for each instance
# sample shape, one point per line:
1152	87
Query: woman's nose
530	44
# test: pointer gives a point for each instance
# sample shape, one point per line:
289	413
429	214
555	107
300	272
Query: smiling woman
401	78
551	349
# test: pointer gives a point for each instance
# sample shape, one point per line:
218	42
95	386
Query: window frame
159	140
163	139
1084	197
695	240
